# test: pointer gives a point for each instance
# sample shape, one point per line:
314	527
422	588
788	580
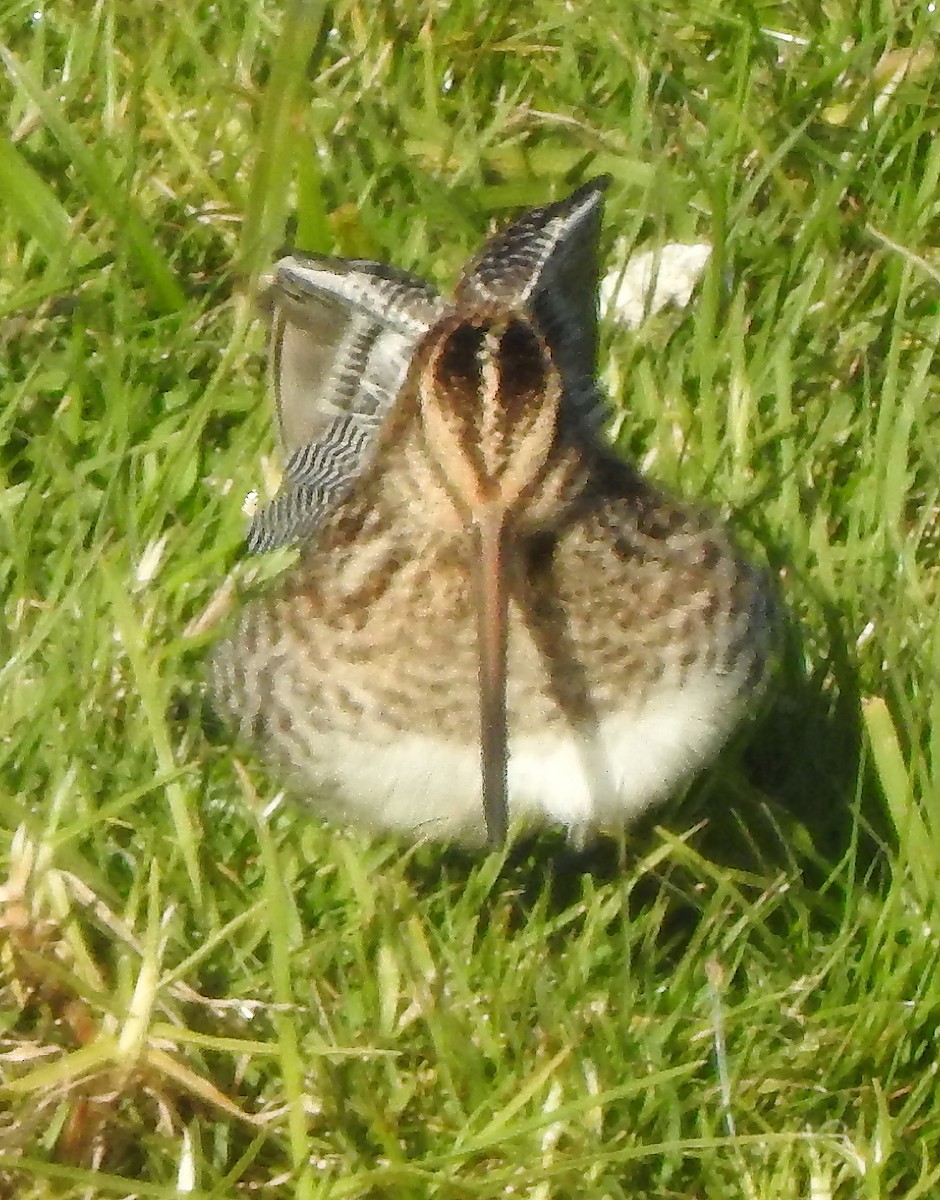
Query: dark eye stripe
460	358
522	362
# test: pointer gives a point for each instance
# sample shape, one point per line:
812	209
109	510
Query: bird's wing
343	334
546	264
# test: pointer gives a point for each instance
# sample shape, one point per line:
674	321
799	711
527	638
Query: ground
205	991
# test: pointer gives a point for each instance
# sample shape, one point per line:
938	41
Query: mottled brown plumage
493	618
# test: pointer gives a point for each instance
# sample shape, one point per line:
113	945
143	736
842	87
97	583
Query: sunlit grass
204	991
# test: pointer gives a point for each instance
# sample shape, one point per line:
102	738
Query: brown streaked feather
488	603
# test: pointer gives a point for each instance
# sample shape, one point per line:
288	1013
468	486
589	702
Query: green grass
205	992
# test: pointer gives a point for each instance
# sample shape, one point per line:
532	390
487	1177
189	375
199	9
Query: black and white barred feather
345	331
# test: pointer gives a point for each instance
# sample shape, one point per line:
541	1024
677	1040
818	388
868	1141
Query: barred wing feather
546	263
342	339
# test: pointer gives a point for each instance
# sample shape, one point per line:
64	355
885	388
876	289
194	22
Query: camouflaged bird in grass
495	621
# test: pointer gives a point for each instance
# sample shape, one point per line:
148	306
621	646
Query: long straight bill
493	641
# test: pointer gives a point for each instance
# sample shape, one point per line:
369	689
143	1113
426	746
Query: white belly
603	778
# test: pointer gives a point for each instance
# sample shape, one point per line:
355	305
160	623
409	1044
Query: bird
494	622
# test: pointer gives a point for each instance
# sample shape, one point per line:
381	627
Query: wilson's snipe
493	617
